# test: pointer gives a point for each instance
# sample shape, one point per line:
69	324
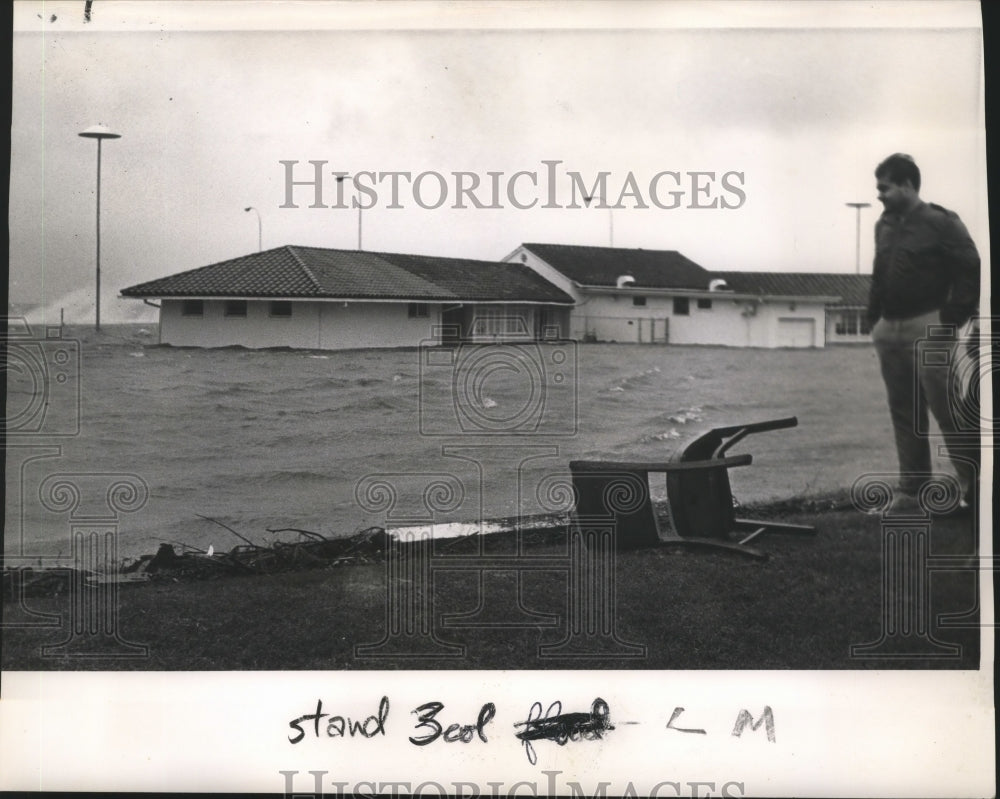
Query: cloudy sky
802	100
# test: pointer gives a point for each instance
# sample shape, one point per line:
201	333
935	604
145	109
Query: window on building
193	308
281	309
498	322
843	322
417	310
236	308
638	300
852	323
682	306
705	303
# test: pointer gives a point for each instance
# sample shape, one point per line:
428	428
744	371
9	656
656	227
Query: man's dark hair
899	168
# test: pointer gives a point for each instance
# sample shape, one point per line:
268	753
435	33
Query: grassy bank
802	608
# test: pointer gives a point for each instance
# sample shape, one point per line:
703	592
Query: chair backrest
700	502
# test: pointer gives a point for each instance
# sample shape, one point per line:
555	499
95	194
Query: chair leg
753	535
713	543
773	527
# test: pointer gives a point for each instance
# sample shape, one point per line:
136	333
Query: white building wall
370	324
336	325
723	323
729	322
616	318
784	324
257	329
312	325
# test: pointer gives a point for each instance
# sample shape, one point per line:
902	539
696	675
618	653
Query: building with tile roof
311	297
660	296
846	316
849	289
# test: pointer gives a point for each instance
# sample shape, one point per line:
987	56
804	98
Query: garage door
796	332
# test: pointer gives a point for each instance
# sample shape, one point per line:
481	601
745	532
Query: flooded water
335	442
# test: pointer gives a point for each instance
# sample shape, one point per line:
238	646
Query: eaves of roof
316	273
705	293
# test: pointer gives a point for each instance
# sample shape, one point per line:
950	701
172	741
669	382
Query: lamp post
857	236
341	179
588	198
260	240
100	133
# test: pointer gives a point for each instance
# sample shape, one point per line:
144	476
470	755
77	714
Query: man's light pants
916	355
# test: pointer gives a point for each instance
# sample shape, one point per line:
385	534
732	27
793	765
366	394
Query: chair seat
700	506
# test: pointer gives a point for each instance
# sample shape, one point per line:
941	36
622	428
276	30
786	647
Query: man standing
925	285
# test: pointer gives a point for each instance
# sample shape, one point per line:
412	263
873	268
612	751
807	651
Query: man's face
893	196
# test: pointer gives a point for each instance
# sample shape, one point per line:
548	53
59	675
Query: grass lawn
803	608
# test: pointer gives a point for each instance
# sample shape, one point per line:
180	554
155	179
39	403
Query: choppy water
323	440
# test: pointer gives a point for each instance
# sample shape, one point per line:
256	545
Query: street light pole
260	240
857	236
611	216
341	179
100	133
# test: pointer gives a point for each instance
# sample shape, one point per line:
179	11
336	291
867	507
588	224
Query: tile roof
852	289
303	272
601	266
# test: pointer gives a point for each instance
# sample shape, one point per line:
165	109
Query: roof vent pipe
624	280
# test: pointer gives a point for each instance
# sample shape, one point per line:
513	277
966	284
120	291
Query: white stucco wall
257	329
312	325
354	325
332	325
616	318
371	324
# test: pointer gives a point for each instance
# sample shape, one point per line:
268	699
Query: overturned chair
700	508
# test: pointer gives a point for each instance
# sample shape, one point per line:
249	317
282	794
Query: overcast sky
801	100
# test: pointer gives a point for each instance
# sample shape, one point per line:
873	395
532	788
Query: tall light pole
341	179
857	237
260	239
611	215
100	133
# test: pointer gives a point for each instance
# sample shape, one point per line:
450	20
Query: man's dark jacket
925	261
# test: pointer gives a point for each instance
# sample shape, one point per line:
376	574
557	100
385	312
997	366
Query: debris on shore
312	550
